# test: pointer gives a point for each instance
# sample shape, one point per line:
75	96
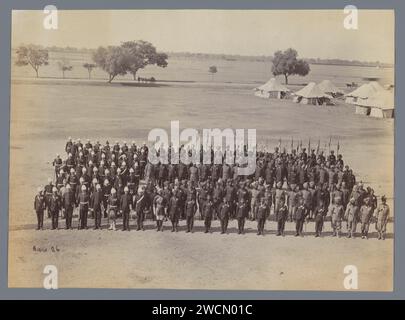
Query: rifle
292	144
337	148
330	141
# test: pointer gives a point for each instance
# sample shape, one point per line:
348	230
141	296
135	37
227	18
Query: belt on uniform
84	202
112	206
72	182
49	193
60	184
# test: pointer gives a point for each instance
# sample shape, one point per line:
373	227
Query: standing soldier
278	194
230	197
191	209
208	209
39	207
306	196
217	194
300	216
263	211
366	211
241	215
96	199
293	196
319	215
139	204
313	203
224	211
55	206
337	213
281	217
159	210
383	213
106	195
254	204
112	208
72	181
83	207
57	163
69	145
48	195
60	180
125	207
351	217
174	211
202	197
345	195
68	202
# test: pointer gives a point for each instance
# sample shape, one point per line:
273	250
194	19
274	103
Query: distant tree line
129	57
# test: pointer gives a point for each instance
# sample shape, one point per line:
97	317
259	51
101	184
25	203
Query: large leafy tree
286	63
112	60
32	55
142	53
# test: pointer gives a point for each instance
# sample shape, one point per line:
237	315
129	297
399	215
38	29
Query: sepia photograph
202	149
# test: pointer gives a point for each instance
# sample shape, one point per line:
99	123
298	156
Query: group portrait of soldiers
118	181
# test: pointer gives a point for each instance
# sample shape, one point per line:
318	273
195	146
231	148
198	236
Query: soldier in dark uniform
55	206
57	163
125	207
300	216
69	145
68	203
241	213
48	194
332	158
217	195
230	195
96	200
70	162
224	210
140	203
39	207
191	209
263	211
281	217
208	209
83	200
319	214
173	210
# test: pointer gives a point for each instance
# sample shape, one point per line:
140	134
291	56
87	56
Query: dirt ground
44	115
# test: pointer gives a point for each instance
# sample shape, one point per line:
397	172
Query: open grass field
45	112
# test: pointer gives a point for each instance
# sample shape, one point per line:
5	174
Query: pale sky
313	33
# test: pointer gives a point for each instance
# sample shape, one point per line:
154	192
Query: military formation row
100	186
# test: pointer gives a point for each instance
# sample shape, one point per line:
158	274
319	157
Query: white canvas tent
381	104
361	94
311	94
272	89
328	87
